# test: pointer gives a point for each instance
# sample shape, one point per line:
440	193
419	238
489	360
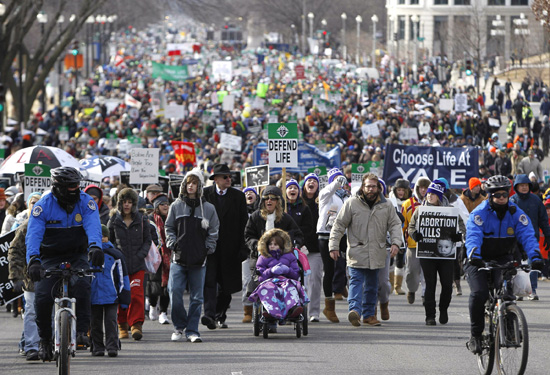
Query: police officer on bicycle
64	227
491	234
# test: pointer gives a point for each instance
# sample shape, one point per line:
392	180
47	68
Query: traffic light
468	67
74	50
2	98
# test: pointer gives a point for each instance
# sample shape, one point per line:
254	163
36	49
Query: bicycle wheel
512	350
64	357
486	359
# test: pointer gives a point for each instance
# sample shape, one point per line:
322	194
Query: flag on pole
130	101
185	154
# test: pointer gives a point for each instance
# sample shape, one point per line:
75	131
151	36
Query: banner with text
170	72
309	156
457	165
6	287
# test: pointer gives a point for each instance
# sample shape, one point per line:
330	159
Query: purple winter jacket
265	264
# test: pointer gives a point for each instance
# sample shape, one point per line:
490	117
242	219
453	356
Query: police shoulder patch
36	211
91	205
478	220
523	219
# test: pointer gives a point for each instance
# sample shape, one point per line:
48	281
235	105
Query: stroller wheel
298	327
305	321
265	329
256	321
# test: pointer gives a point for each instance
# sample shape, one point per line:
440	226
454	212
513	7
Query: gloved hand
537	264
417	236
477	262
35	270
95	255
17	286
457	237
304	250
279	269
342	181
547	243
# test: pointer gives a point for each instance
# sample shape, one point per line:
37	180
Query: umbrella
98	167
51	156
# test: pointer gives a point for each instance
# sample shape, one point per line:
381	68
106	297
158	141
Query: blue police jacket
489	238
112	285
53	232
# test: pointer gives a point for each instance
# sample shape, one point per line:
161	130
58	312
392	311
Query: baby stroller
262	320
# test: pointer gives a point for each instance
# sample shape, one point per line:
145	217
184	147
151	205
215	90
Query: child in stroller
280	292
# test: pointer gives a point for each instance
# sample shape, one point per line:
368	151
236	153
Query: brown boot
123	331
384	311
338	296
329	310
247	314
137	333
398	283
392	281
372	321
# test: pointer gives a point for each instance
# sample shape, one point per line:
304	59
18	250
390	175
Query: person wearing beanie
224	267
474	195
331	199
252	204
96	193
269	215
367	214
413	272
534	208
431	268
130	230
192	228
156	289
314	283
16	207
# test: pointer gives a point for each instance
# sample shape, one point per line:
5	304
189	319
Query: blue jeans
180	276
30	330
363	290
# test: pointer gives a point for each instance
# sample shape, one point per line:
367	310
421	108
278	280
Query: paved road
403	345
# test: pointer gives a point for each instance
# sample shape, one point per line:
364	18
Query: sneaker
45	350
98	354
430	322
410	297
153	313
353	317
22	352
533	297
474	345
177	335
208	322
82	341
163	318
32	355
372	321
314	319
194	338
112	353
221	324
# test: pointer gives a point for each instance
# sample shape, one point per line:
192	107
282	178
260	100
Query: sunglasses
225	177
270	198
500	195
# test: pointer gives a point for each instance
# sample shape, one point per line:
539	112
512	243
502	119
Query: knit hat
292	182
547	203
162	198
473	182
32	195
383	186
444	181
250	189
333	173
532	175
437	188
104	231
2	194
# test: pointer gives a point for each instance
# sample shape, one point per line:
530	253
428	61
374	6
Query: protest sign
300	72
446	105
438	225
144	162
174	184
461	103
236	179
37	179
408	134
359	170
370	130
457	165
257	176
228	103
494	123
174	111
170	72
63	133
321	173
222	70
6	286
283	145
231	142
185	154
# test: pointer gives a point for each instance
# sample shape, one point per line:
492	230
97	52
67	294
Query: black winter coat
134	241
301	214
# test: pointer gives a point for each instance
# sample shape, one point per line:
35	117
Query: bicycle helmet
64	178
497	183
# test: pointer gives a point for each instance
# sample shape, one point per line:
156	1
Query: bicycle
505	339
65	315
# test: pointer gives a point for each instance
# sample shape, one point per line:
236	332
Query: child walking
109	289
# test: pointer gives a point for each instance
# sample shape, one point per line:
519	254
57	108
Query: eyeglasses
499	195
270	198
225	177
371	187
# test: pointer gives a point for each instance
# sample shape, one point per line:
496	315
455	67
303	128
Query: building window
462	2
401	28
414	2
441	2
497	2
520	2
401	2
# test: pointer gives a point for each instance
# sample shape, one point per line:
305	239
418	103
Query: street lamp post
374	20
89	22
344	17
358	19
42	19
415	20
60	21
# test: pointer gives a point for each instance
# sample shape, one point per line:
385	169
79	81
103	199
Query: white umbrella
98	167
51	156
